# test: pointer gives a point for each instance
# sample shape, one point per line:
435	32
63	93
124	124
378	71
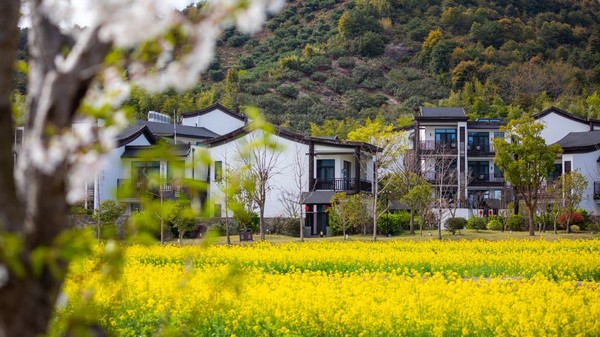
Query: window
326	169
479	170
498	172
217	209
479	141
498	134
142	170
445	136
218	170
567	166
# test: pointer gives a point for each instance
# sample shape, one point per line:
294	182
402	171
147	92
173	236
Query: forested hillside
321	60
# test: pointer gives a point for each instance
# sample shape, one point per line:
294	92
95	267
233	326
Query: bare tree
69	69
290	198
445	179
260	157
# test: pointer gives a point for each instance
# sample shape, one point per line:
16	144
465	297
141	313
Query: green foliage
476	222
526	160
182	217
356	22
348	212
393	223
105	216
495	225
515	222
288	91
369	44
454	224
346	62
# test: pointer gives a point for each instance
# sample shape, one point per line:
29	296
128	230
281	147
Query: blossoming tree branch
82	72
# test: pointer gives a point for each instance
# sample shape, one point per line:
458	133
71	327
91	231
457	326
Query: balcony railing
480	179
435	178
438	146
128	188
480	149
342	184
597	190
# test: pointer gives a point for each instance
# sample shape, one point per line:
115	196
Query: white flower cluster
127	24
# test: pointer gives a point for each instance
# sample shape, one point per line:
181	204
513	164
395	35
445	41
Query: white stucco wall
106	181
284	180
556	127
216	121
585	163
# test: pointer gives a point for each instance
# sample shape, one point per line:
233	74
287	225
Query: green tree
107	213
392	146
525	160
418	197
569	189
182	217
348	212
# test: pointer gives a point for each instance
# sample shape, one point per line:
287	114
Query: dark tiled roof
485	125
284	133
132	132
444	113
580	141
176	150
327	137
166	130
317	197
216	106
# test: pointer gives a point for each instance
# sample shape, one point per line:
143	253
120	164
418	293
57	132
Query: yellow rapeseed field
394	288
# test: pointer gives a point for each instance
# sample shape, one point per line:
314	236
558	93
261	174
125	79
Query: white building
306	170
474	182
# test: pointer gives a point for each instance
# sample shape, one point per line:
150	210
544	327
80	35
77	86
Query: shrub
320	62
238	39
287	91
369	45
576	218
454	224
337	51
216	75
393	223
495	225
246	62
515	222
340	84
319	77
575	229
346	62
476	222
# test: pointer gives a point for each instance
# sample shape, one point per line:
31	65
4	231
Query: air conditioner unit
481	177
477	147
453	145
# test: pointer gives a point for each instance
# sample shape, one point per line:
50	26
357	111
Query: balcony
480	149
597	191
128	189
342	184
435	178
438	146
483	179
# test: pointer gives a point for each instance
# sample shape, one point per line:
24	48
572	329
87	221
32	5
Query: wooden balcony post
311	166
357	169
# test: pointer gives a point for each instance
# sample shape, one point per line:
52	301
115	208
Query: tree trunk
262	222
227	226
412	222
531	216
375	217
301	226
